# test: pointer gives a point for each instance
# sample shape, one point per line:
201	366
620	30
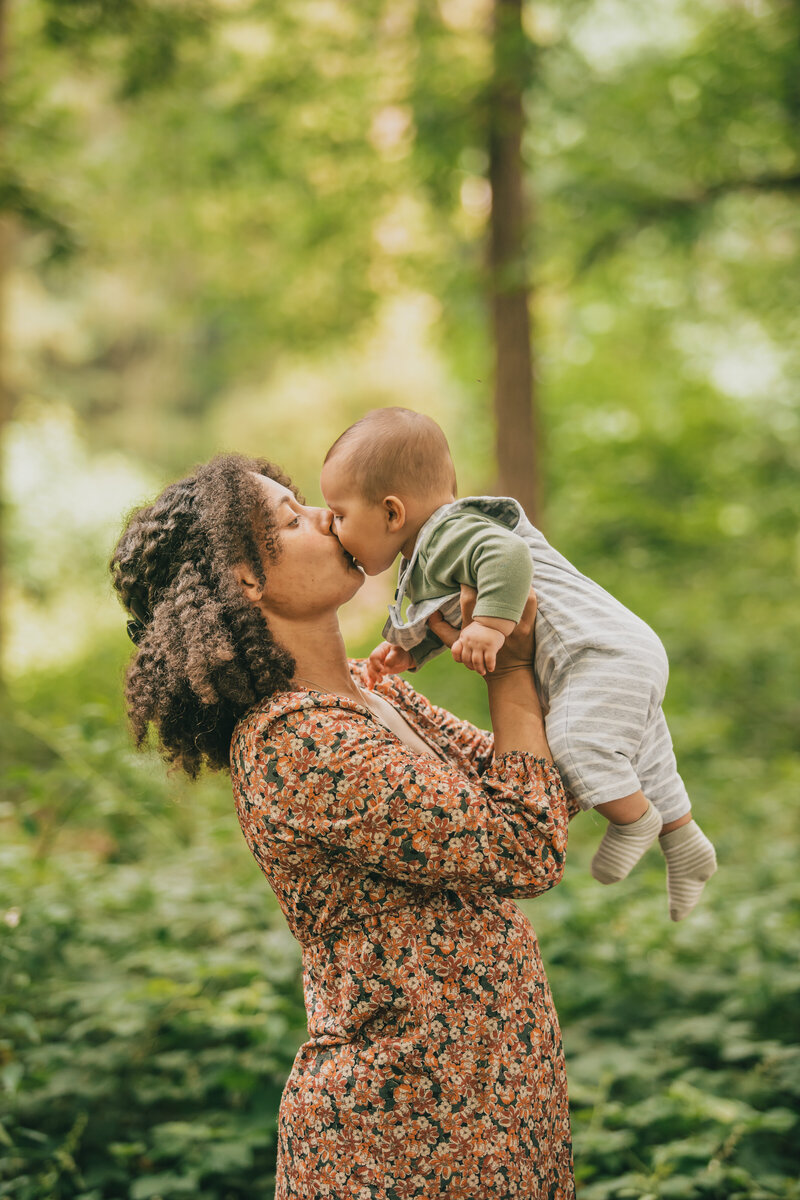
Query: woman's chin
355	580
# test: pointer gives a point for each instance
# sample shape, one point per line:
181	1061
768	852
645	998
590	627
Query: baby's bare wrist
498	624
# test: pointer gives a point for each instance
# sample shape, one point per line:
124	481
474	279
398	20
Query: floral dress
433	1066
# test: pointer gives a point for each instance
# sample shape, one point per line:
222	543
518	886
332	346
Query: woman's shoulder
285	709
286	714
320	715
308	728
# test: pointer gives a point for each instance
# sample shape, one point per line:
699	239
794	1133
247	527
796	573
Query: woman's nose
324	518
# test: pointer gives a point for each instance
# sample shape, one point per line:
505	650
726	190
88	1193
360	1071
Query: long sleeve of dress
340	782
460	740
455	737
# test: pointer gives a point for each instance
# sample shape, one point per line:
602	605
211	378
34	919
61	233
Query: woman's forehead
273	491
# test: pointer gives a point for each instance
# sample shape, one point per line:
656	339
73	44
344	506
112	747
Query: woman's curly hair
205	654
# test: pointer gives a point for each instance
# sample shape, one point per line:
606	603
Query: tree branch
650	212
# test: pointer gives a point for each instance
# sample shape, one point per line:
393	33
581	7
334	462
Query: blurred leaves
146	1030
148	36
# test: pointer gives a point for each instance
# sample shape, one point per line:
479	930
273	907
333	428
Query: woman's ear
253	590
394	513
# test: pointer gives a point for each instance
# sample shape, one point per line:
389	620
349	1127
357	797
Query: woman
392	833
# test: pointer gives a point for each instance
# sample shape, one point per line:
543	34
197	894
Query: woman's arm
333	778
514	705
513	700
454	736
516	712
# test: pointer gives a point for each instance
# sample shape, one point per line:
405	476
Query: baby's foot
623	845
691	861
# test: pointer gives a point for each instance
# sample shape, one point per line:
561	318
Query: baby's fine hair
396	450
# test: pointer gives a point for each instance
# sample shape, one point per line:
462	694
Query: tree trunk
516	426
5	401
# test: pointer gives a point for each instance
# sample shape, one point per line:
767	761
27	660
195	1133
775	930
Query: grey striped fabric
601	671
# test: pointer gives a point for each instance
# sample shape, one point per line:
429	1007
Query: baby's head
382	479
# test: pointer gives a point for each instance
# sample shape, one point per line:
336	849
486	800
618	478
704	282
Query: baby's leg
595	726
638	819
625	809
634	824
691	860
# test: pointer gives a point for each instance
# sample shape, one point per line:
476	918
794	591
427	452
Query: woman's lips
352	562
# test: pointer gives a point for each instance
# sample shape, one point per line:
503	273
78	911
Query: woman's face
312	573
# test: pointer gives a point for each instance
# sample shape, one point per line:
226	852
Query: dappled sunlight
66	508
297	413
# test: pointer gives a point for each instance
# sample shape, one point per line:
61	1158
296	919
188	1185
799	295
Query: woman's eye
296	521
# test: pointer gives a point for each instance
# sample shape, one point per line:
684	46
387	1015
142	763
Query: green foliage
151	999
681	1043
174	128
148	38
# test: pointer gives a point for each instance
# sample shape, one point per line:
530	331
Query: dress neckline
360	707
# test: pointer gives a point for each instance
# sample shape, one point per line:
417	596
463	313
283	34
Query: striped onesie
600	670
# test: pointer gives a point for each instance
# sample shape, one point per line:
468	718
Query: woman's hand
514	704
516	652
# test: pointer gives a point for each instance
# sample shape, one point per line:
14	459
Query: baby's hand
387	660
477	647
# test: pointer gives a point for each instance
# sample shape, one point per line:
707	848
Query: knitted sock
691	861
623	845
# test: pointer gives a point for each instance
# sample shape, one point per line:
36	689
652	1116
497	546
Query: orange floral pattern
434	1064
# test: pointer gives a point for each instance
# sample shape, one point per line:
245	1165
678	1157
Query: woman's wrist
504	672
516	713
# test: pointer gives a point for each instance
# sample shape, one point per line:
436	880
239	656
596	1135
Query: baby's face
360	526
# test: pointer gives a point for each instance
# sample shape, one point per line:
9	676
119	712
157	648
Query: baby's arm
387	660
474	550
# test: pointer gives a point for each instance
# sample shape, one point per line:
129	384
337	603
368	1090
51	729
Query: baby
390	484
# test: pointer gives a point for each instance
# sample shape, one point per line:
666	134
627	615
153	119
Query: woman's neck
317	647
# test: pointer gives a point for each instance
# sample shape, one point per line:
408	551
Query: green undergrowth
151	1001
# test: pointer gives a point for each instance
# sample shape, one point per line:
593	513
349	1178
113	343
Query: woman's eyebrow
284	503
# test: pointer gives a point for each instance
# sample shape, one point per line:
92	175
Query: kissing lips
351	562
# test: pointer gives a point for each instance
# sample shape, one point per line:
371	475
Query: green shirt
470	547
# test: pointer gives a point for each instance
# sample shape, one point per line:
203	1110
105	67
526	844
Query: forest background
239	224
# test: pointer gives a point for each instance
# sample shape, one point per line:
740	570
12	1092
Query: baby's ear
394	512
